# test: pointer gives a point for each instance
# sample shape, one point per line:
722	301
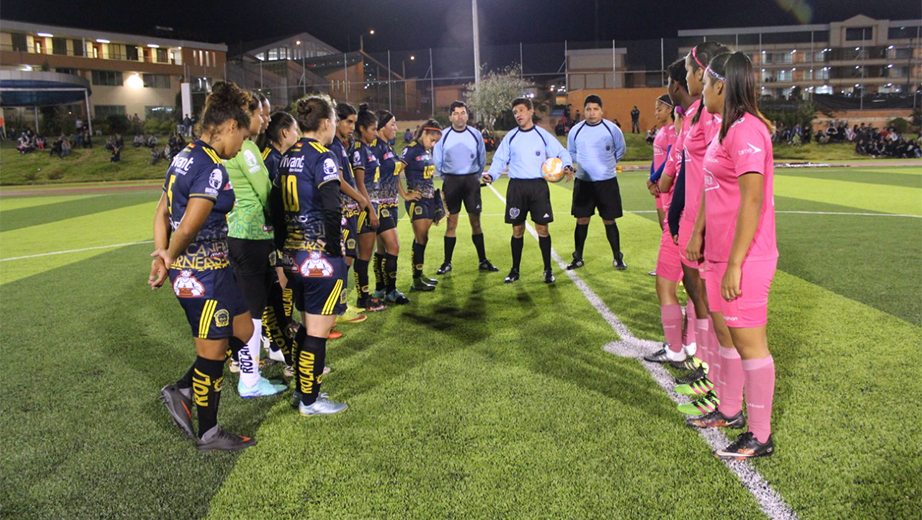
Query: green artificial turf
480	400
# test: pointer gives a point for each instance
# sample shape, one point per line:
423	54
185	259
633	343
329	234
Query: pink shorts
668	263
685	232
750	309
659	201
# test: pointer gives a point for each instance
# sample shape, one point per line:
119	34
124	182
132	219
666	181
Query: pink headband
694	54
716	75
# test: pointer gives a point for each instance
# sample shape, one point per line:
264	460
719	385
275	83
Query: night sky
418	24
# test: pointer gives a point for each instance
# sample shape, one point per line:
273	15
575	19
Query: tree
495	93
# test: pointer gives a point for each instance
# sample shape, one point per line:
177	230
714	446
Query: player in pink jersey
740	250
700	127
663	110
669	261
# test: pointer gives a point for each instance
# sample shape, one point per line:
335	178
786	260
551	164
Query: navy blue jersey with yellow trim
198	172
350	206
387	190
419	169
304	168
272	158
364	158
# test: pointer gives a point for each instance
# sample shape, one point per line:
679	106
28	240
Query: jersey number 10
290	194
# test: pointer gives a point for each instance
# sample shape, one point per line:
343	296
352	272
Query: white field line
110	246
777	212
772	504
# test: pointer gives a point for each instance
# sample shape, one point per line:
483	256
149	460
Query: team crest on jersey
329	169
607	147
252	163
215	179
472	156
537	153
350	243
316	266
418	210
188	286
385	213
710	183
514	212
222	318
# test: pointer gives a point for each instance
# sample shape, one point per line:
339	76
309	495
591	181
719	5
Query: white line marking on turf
630	346
818	213
111	246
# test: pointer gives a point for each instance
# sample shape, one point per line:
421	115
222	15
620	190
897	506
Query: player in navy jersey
460	156
281	134
365	168
523	151
190	236
385	195
597	145
308	179
353	202
423	201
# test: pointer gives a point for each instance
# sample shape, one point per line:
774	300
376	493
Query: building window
109	78
131	52
19	42
898	72
853	34
904	53
162	56
39	46
156	81
66	71
115	51
59	46
158	112
822	73
104	111
78	47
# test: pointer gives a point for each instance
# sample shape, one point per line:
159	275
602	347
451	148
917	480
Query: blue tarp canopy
39	88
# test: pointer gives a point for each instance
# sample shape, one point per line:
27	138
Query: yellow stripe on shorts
333	299
204	322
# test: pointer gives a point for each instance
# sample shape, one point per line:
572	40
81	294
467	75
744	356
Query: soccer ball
552	169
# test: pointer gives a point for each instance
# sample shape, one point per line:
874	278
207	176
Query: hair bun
363	107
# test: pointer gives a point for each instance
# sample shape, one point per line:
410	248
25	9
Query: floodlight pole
89	120
476	43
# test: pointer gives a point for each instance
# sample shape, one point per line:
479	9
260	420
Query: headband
716	75
667	103
431	129
694	54
384	120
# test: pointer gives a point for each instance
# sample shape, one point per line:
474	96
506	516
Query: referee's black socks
517	244
311	359
390	271
579	238
419	258
450	247
614	238
478	243
545	244
207	375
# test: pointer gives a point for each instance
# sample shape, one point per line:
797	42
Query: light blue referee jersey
597	149
460	153
524	151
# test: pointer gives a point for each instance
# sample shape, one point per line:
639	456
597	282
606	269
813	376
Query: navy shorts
350	234
363	223
421	209
387	217
211	300
320	282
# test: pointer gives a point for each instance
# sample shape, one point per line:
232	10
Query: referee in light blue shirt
460	157
597	145
523	151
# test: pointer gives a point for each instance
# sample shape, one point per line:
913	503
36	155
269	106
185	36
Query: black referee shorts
462	188
528	195
604	195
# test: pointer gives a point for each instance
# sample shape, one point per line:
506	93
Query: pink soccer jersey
696	143
665	138
746	148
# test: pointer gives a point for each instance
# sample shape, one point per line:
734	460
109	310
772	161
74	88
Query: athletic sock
702	328
545	244
760	392
361	277
234	345
276	321
249	357
614	238
419	254
690	335
206	389
478	243
379	272
714	353
671	316
731	382
449	248
517	244
579	238
310	368
390	271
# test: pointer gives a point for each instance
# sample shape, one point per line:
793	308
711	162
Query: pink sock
672	326
690	327
760	391
714	347
701	332
731	382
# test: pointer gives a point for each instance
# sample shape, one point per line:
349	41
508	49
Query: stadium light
371	31
135	81
412	58
476	25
